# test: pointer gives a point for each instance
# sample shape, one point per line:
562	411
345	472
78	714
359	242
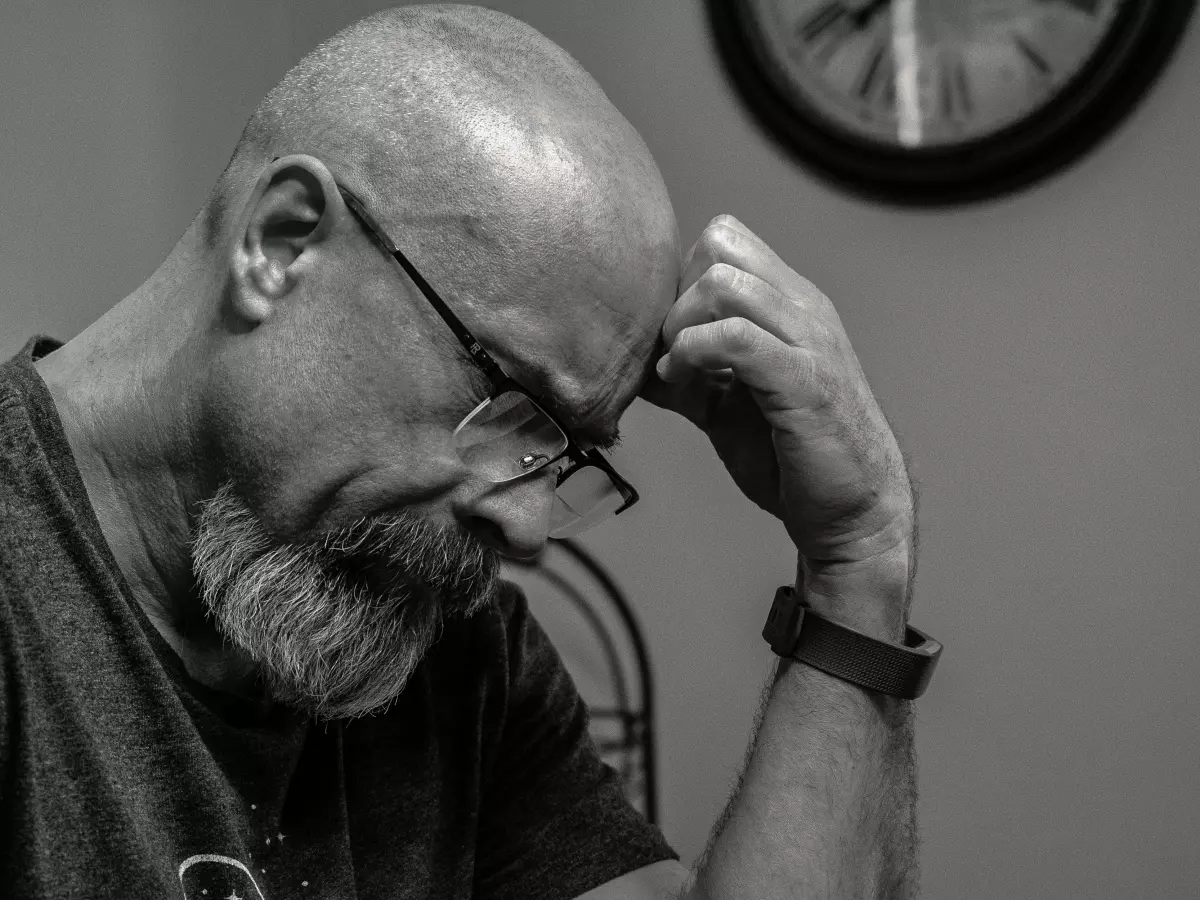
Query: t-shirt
123	777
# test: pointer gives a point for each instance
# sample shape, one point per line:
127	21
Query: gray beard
337	624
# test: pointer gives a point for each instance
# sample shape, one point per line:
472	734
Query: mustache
401	550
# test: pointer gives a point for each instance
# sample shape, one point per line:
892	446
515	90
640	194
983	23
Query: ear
283	223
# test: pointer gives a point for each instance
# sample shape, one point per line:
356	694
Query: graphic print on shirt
208	876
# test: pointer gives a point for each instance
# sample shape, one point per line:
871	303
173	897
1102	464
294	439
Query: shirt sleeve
554	820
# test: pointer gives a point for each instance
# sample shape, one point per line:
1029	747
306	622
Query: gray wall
1036	355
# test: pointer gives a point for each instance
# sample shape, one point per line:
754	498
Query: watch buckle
782	629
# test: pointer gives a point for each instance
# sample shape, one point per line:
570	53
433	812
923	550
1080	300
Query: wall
1036	355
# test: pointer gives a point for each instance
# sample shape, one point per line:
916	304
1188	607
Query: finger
726	240
760	360
724	291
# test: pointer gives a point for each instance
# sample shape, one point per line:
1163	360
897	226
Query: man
252	639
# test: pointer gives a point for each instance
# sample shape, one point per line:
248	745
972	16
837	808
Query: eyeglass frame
502	382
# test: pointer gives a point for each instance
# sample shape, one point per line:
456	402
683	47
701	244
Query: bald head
469	127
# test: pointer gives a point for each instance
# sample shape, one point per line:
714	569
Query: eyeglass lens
584	498
507	437
510	436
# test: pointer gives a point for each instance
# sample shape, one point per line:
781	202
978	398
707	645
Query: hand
757	358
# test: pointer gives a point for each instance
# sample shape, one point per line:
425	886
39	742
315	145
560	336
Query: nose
513	518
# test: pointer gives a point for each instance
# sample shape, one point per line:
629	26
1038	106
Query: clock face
929	73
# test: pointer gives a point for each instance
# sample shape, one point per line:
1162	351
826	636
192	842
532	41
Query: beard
336	623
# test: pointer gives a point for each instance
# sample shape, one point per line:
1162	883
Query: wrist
871	595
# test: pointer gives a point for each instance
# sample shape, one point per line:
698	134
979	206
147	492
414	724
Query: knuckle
721	240
818	333
685	342
724	220
801	366
721	277
737	333
808	291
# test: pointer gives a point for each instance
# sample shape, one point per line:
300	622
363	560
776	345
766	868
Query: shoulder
524	651
501	662
481	654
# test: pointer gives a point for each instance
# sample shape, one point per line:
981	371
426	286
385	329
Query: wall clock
935	102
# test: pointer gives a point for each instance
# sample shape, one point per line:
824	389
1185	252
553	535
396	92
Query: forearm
827	803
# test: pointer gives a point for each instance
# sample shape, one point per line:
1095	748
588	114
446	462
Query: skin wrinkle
274	468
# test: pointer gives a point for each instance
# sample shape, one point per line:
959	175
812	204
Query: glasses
511	434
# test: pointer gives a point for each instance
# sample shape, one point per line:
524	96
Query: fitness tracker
794	630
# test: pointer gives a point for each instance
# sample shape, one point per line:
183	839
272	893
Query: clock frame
1129	58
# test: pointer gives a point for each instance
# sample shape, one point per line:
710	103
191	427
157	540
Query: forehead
584	337
587	369
567	289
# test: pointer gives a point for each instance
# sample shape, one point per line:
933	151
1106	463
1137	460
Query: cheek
305	447
344	400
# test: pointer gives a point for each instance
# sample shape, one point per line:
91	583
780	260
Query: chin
337	625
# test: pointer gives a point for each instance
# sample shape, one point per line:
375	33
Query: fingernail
661	366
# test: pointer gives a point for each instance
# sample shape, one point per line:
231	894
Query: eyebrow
604	439
601	437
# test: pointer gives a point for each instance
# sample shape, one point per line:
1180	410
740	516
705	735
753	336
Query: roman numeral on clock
825	29
1032	55
956	102
876	82
826	16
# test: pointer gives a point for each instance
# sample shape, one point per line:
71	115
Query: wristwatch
794	630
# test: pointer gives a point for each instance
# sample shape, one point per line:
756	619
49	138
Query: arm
826	806
758	359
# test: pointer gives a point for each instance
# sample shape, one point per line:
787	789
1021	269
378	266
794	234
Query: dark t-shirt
121	776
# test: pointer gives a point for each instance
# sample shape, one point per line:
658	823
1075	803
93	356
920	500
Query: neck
125	391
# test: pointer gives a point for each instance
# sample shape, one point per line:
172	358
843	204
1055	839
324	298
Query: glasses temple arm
472	346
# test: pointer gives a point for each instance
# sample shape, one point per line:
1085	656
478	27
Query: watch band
794	630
